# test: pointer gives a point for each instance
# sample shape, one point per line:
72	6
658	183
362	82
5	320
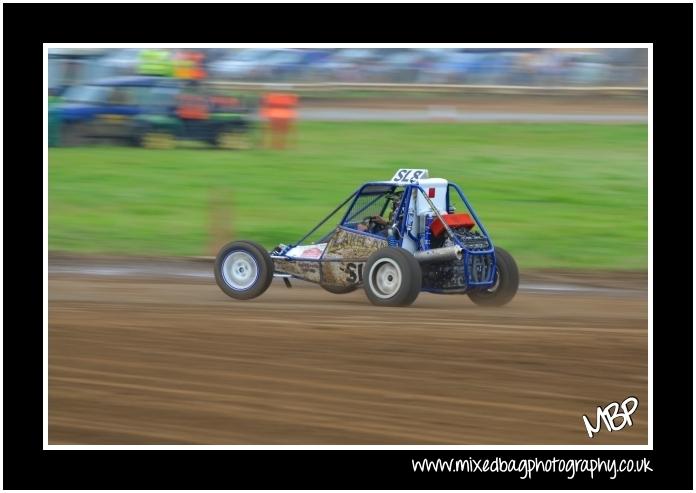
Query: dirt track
137	360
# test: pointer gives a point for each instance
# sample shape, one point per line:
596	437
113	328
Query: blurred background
174	151
502	66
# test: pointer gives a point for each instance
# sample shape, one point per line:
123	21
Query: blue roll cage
403	226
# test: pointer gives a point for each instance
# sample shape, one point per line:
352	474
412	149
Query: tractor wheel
243	270
232	140
507	280
392	277
157	140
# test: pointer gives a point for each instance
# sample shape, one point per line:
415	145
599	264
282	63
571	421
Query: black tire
339	289
403	267
508	280
253	256
73	135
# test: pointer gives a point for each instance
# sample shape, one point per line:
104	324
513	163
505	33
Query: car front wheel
243	270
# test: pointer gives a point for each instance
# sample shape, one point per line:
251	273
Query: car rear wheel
243	270
392	277
507	281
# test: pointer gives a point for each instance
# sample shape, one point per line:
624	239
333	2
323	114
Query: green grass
556	196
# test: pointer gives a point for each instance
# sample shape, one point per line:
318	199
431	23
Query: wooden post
220	226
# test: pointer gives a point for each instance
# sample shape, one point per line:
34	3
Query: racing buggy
394	238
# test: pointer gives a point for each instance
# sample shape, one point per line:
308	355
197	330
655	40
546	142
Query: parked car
401	66
240	65
117	63
67	67
345	65
294	65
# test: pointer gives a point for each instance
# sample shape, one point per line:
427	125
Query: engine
470	240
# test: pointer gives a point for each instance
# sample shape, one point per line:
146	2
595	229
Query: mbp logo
609	415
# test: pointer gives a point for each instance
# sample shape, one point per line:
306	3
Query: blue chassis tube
408	189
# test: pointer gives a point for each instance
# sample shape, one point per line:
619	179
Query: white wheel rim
240	270
385	278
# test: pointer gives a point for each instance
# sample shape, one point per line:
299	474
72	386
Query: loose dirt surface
172	360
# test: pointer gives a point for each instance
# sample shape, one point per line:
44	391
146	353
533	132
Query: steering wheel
372	225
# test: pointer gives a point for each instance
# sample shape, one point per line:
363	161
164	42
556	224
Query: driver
377	224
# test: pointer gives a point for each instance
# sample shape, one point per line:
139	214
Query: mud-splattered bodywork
341	263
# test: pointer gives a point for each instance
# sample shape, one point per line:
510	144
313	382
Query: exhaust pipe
439	254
